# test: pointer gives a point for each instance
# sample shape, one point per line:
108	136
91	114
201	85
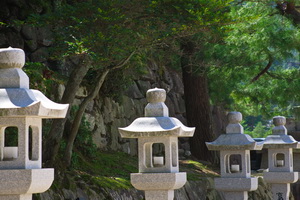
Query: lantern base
158	181
236	195
280	191
159	195
16	197
24	181
236	184
281	177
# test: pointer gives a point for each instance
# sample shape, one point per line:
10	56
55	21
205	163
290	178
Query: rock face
110	115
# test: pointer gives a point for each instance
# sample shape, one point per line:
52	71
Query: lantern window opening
279	160
158	155
234	163
10	143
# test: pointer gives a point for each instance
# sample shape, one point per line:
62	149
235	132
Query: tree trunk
289	8
53	139
198	111
79	114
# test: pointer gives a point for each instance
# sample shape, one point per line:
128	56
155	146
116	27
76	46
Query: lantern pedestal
16	197
24	182
281	177
158	190
238	184
280	182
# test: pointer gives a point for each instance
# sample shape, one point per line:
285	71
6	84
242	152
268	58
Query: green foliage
42	78
84	139
116	83
108	164
257	36
259	131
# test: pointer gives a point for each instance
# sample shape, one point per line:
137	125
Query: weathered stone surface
81	92
60	90
29	32
91	120
31	45
39	55
158	176
12	58
99	134
21	107
128	105
236	180
144	86
178	84
134	92
139	108
15	40
116	140
150	75
280	173
4	10
3	39
44	36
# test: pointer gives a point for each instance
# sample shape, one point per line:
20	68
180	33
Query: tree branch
263	71
289	7
122	63
79	114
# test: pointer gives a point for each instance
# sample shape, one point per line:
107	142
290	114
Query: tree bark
79	114
289	7
53	139
198	110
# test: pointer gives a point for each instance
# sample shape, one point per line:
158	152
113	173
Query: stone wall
105	115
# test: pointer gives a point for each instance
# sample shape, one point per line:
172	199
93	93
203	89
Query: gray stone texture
280	160
21	175
157	180
235	183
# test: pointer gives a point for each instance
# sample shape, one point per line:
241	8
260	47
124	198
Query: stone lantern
158	175
234	147
280	160
21	174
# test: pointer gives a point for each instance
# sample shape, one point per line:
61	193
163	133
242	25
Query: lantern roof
15	96
279	137
234	139
156	122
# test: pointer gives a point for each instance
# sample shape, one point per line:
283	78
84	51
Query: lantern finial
234	126
11	74
279	129
156	106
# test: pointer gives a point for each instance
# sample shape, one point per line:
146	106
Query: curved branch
92	95
263	71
